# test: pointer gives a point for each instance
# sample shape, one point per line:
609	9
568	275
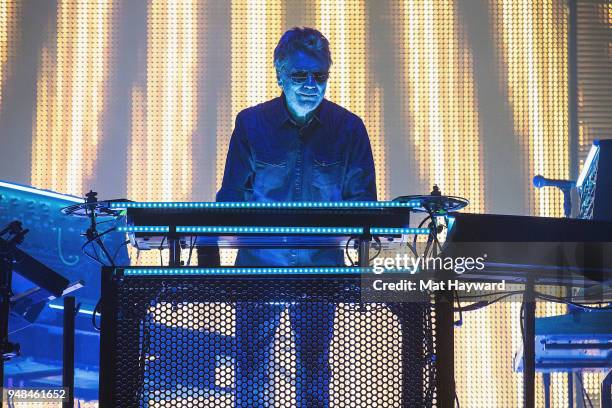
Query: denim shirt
271	158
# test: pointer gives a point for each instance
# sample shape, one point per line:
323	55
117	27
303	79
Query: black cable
484	303
93	316
95	250
377	240
414	240
457	397
87	254
92	240
460	321
556	299
514	292
193	241
435	233
161	247
346	251
127	241
521	320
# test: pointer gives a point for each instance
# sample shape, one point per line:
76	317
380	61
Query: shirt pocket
270	171
327	172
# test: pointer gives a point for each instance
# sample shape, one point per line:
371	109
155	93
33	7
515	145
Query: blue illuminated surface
399	231
258	271
40	192
236	205
243	271
144	228
269	230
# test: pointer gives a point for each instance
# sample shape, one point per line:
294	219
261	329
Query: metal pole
529	344
546	380
606	391
5	288
364	252
572	76
570	390
68	356
445	348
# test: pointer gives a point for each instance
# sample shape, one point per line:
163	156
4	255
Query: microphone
539	182
564	185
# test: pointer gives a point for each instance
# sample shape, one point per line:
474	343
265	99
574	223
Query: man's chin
308	104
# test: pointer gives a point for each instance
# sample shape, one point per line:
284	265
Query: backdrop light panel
138	100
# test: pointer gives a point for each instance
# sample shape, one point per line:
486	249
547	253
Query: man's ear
279	81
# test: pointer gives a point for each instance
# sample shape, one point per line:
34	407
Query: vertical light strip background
256	26
532	40
345	24
71	96
8	12
164	114
440	95
438	88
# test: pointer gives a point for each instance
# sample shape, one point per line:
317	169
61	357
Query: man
297	147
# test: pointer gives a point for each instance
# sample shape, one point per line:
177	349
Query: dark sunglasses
299	77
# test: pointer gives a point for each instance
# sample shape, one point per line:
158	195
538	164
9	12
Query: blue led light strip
399	231
231	205
243	271
144	228
271	230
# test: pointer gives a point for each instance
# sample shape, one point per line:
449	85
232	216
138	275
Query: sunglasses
299	77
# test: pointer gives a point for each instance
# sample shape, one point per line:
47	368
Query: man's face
303	80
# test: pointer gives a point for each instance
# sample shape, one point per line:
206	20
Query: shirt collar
282	116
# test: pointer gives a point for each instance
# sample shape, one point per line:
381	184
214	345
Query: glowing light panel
71	96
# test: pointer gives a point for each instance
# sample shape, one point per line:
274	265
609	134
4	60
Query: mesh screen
268	342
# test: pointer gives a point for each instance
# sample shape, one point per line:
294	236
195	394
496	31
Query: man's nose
310	81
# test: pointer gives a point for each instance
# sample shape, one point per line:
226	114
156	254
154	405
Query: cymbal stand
92	234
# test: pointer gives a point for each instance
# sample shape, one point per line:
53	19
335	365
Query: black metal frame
112	278
108	339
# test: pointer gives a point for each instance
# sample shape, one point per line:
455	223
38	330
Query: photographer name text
433	285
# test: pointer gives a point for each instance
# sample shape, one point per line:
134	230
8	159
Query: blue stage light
144	228
270	230
245	271
399	231
304	205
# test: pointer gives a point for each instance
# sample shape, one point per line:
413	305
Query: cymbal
435	204
99	208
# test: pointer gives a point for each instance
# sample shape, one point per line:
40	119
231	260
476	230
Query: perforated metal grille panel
273	341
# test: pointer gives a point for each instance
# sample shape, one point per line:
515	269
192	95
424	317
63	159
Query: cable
569	302
414	240
161	248
346	251
457	397
93	316
514	292
460	321
93	258
193	241
521	320
127	241
484	303
376	240
92	241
